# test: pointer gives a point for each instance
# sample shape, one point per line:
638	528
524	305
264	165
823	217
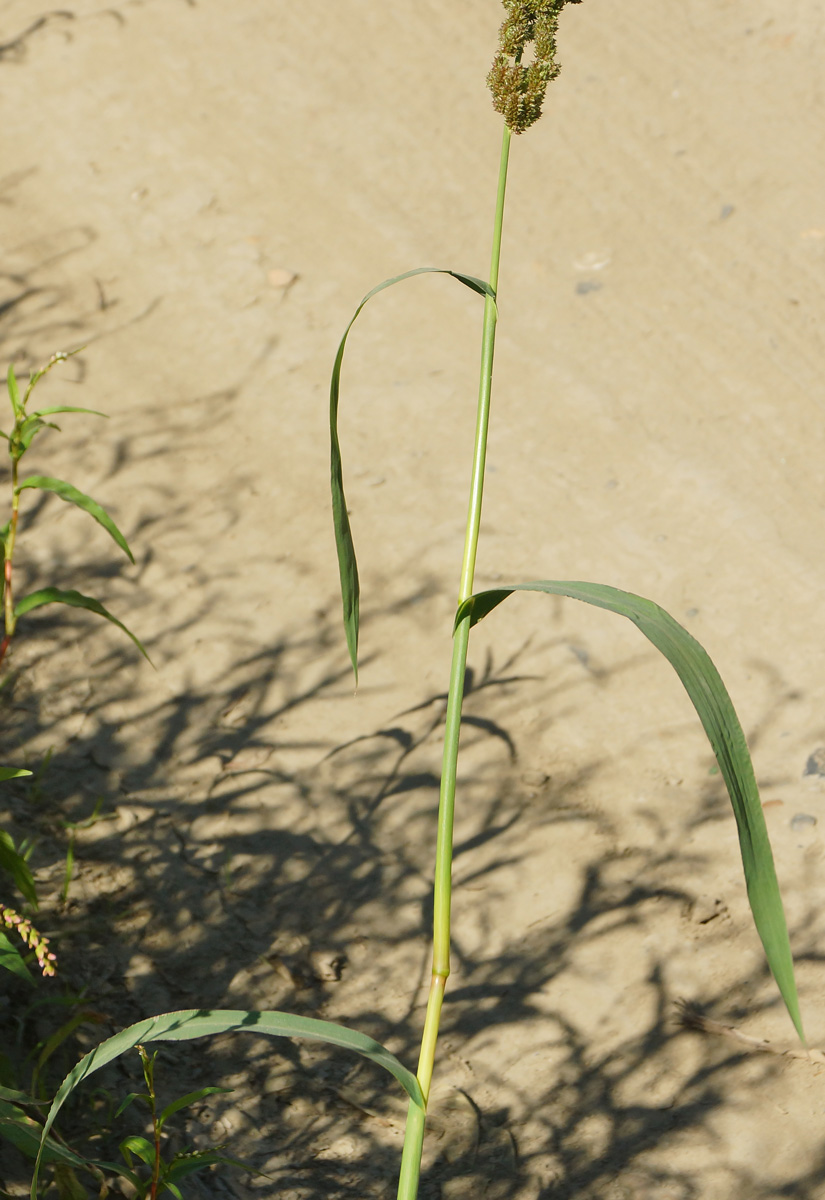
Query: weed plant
25	428
22	944
524	64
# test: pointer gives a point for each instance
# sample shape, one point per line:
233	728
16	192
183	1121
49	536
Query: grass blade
347	565
59	408
24	1133
196	1023
74	599
721	724
71	495
11	773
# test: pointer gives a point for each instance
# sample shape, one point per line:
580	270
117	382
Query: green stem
8	597
442	895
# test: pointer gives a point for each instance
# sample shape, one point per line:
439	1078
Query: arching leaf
721	724
196	1023
347	565
71	495
74	599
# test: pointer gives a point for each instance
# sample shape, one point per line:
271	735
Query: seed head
22	926
518	89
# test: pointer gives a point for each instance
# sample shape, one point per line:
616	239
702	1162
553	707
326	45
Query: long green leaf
71	495
74	599
721	724
12	960
11	773
347	565
196	1023
59	408
14	392
25	1134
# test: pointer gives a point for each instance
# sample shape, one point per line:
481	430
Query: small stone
802	821
816	763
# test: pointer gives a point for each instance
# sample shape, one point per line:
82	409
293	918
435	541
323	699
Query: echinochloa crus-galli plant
524	65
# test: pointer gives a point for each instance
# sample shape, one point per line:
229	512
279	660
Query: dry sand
200	193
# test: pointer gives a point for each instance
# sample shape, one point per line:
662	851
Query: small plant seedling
25	428
164	1175
528	33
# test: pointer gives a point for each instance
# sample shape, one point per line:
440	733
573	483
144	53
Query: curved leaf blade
74	599
59	408
11	773
45	483
347	564
196	1023
716	712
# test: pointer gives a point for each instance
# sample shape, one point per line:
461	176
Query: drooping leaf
721	724
71	495
14	391
12	960
347	565
59	408
74	599
195	1023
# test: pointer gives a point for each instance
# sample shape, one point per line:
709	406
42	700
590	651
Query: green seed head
518	89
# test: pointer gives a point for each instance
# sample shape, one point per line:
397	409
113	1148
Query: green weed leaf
11	773
188	1162
14	392
144	1150
721	724
59	408
185	1101
195	1023
74	600
12	960
347	565
26	434
71	495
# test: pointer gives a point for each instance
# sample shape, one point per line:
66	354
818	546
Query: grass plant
25	428
524	64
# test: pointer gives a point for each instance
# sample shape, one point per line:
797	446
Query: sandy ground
200	193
